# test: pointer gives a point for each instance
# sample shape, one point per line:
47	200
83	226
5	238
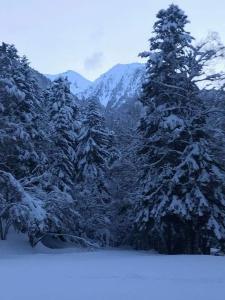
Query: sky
91	36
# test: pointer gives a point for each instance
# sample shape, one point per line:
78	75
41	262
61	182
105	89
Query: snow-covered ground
70	274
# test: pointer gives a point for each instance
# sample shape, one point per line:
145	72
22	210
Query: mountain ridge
78	82
112	88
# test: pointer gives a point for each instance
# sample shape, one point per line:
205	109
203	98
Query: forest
154	180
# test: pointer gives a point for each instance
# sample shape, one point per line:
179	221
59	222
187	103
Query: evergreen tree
20	209
181	205
93	155
19	106
21	147
63	129
93	150
56	183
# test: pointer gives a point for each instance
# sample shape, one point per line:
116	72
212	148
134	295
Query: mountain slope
114	87
78	82
42	80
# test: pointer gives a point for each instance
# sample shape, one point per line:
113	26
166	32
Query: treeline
64	174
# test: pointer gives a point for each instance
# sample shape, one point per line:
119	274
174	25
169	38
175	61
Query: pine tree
181	205
20	209
19	107
21	145
92	150
93	155
63	129
56	182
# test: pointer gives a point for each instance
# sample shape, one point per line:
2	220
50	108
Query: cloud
94	61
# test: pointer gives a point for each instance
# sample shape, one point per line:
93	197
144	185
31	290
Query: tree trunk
4	229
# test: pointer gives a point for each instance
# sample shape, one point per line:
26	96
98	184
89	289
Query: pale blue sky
90	36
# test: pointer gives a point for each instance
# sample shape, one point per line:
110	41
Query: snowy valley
112	189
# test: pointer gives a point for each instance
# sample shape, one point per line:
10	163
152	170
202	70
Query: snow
68	274
172	122
78	82
116	85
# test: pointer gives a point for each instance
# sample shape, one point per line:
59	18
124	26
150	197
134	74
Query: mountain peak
122	81
125	67
78	82
113	88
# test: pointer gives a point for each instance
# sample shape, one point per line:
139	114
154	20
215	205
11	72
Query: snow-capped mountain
113	88
120	83
78	82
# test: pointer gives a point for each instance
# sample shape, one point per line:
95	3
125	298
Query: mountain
116	86
113	88
42	80
78	82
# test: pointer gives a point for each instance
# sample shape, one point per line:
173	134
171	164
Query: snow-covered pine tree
36	152
93	155
63	130
93	150
123	172
56	183
181	206
21	144
19	106
20	209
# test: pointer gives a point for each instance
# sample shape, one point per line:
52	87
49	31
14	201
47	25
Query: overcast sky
90	36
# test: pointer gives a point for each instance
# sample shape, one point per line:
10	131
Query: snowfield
71	274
